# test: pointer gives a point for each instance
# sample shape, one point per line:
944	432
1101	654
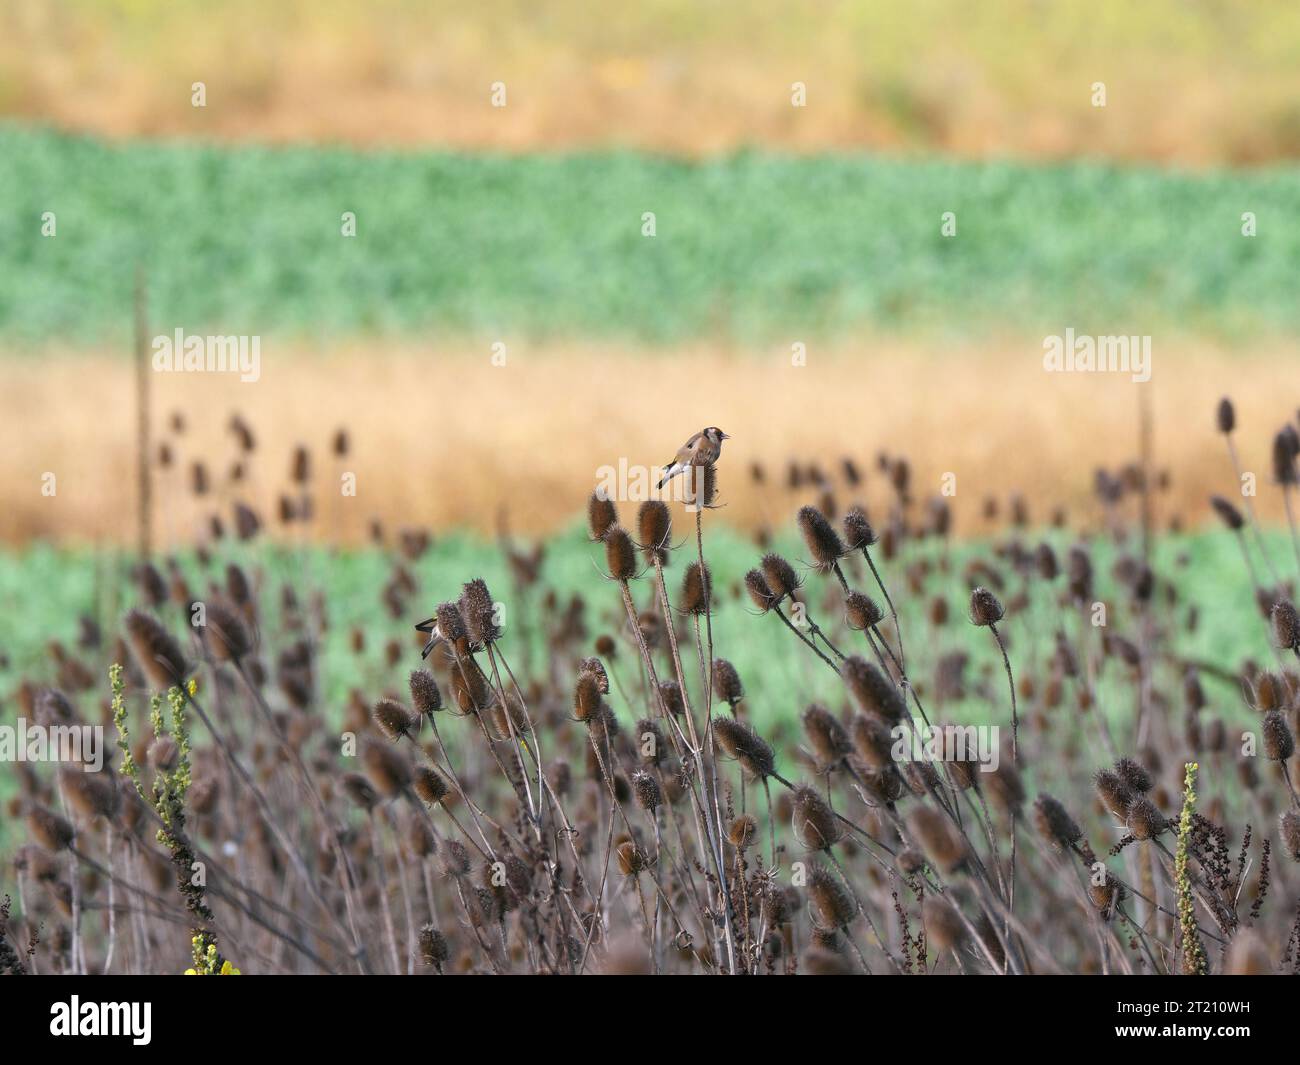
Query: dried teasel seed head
742	832
393	719
631	859
858	533
820	537
1279	744
872	691
832	905
873	741
1225	417
357	788
726	683
601	516
597	667
649	741
1284	456
225	633
1228	514
620	554
827	737
156	652
1114	792
430	785
48	830
1285	622
737	740
1055	824
654	524
1105	895
943	925
424	693
1289	829
862	611
433	946
812	820
985	607
469	688
451	624
646	791
480	613
387	768
943	847
586	696
780	576
671	693
759	592
697	589
1134	774
1144	820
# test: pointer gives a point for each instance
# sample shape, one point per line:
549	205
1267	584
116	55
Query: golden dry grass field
442	436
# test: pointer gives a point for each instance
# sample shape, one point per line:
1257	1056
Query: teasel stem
1250	512
776	609
866	915
384	909
1287	489
451	772
893	613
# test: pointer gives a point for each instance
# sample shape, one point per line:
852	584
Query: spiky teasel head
943	925
832	905
1134	774
387	768
1279	744
700	487
91	794
1005	787
48	830
1285	622
225	633
1225	416
737	740
451	626
480	613
433	947
759	592
726	683
1055	824
820	537
393	719
357	788
671	694
649	742
1144	821
862	611
1284	456
873	741
596	666
943	847
1114	792
586	696
655	526
1228	514
813	821
430	785
470	690
826	736
1106	895
872	691
780	577
646	791
742	832
697	589
602	515
985	607
620	554
1269	692
858	533
631	858
158	655
425	696
1289	829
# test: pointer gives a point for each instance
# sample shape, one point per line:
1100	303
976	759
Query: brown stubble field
442	437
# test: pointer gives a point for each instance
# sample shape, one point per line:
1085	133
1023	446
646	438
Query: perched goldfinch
702	449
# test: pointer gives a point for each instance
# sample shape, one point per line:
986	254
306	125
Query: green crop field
752	246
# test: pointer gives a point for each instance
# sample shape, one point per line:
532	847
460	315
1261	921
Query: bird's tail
671	471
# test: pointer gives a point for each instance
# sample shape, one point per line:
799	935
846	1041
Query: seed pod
1228	514
739	741
430	785
1144	820
157	654
1225	417
985	607
862	611
424	693
1115	794
601	516
387	768
829	740
48	829
759	592
620	555
697	589
654	524
873	740
742	832
1279	744
645	789
872	691
832	905
1133	774
225	633
812	820
726	683
1289	829
943	847
586	697
393	719
480	613
820	537
780	576
631	859
1286	625
858	533
433	946
943	927
1105	895
358	789
1055	824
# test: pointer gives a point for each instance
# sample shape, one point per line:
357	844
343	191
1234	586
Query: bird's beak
726	436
